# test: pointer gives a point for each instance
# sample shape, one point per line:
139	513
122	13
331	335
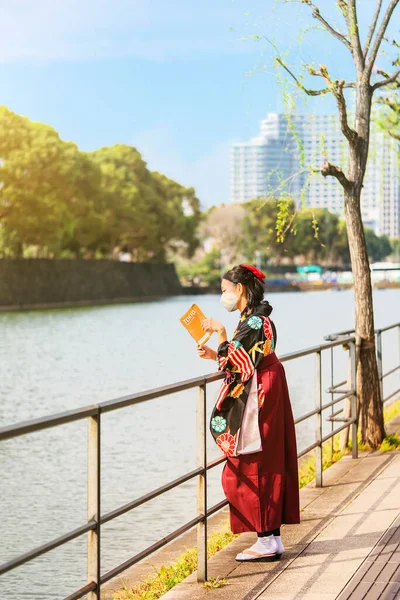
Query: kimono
260	482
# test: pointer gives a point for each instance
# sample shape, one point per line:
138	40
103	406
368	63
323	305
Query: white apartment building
278	162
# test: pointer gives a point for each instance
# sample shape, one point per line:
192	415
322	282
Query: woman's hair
254	287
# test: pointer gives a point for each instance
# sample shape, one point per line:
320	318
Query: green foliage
214	583
64	202
378	247
391	442
263	227
278	230
273	229
395	244
207	269
388	117
167	577
307	466
391	411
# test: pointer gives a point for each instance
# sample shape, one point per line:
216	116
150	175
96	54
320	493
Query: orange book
192	320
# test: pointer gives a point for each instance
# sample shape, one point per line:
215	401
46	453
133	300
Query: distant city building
276	161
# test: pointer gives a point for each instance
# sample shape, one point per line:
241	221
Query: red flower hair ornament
256	272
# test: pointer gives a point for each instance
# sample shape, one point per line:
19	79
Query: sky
180	80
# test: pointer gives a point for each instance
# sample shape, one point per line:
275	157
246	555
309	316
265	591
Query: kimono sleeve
247	348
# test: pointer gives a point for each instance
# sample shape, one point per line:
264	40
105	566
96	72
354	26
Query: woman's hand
212	325
206	352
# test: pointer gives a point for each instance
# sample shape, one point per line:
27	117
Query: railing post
93	505
201	484
345	433
379	360
318	420
332	407
354	411
399	342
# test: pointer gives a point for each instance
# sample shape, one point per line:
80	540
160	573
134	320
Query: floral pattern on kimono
254	338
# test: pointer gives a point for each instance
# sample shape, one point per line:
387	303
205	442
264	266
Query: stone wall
40	282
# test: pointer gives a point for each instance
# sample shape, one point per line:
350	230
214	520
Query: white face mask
229	300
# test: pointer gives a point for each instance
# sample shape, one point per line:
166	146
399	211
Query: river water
55	360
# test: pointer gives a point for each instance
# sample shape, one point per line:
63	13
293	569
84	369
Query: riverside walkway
347	546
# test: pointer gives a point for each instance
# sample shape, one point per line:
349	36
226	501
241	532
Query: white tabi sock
265	545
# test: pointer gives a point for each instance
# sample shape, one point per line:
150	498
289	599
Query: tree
31	158
207	269
180	215
368	80
131	201
223	225
317	236
50	191
378	247
56	200
145	211
395	244
389	115
263	228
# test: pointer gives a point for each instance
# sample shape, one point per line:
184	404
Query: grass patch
167	577
307	466
391	442
391	411
213	583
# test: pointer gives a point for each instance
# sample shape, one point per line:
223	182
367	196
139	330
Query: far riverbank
27	284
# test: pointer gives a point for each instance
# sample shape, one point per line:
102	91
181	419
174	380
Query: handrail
77	414
332	336
94	412
44	548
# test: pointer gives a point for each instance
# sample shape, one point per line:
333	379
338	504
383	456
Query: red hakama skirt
262	488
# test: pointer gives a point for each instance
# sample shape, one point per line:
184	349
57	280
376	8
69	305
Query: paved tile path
379	575
347	541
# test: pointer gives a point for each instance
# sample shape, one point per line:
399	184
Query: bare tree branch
379	36
391	42
347	131
336	88
323	72
392	79
392	104
317	15
384	74
312	72
300	85
330	170
354	33
372	29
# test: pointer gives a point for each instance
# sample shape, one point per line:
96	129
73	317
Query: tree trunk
368	388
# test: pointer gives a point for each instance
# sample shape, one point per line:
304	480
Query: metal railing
94	415
379	355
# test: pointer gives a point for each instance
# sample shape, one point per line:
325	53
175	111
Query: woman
260	478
